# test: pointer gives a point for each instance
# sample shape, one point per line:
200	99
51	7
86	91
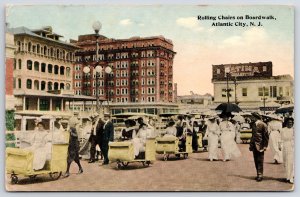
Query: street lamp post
235	95
264	99
227	89
96	26
107	70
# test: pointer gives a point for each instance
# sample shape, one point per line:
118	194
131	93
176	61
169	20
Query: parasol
228	108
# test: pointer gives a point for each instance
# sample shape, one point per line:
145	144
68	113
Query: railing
11	139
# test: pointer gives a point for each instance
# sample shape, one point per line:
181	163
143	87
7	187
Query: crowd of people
220	136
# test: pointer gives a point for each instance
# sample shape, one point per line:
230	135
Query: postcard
149	98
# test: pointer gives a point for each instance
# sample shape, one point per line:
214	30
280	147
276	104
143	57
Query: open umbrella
285	109
228	108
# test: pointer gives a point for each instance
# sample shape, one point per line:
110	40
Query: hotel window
44	104
56	68
244	91
273	91
62	86
43	67
43	85
62	70
36	84
280	91
287	91
20	64
36	66
29	84
19	83
262	93
49	85
29	64
55	86
50	67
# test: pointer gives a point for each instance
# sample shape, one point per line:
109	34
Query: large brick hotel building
142	69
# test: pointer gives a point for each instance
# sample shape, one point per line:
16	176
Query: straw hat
275	117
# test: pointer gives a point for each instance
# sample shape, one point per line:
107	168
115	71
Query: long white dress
212	133
39	149
139	139
228	143
287	137
237	127
274	127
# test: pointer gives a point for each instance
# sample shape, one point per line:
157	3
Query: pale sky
198	45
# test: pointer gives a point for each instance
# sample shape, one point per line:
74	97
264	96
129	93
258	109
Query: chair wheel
55	175
146	163
14	179
185	155
166	157
119	165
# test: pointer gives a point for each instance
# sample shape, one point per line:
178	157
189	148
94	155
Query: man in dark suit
93	139
106	136
259	143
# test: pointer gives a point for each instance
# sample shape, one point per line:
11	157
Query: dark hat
289	118
171	123
256	115
130	122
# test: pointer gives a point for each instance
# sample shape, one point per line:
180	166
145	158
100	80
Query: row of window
101	57
45	50
36	66
264	91
41	85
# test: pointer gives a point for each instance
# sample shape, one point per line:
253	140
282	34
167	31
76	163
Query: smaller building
194	103
252	85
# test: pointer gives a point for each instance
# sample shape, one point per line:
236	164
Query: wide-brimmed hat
211	117
274	117
256	115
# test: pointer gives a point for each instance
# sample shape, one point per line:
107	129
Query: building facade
142	69
251	85
43	71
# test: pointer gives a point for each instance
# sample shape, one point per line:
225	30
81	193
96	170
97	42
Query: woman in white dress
287	137
38	147
139	138
228	143
212	135
274	127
